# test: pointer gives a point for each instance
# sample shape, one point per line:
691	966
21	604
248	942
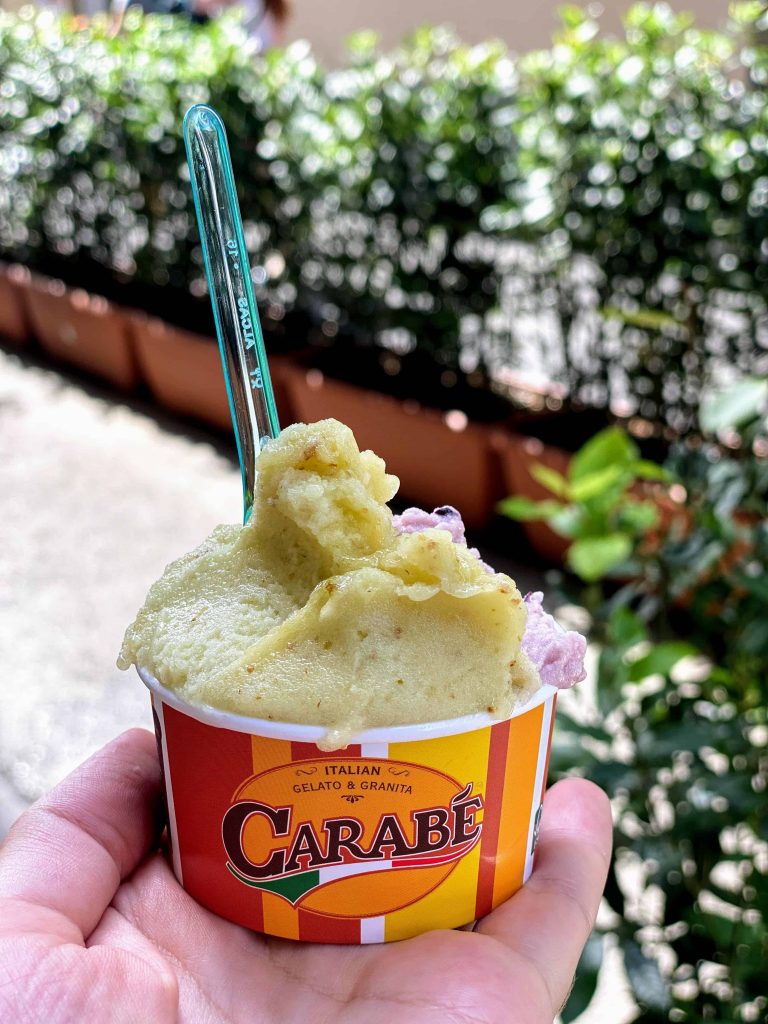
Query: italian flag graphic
293	886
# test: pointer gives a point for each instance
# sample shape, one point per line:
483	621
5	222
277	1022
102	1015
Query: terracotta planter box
440	459
14	326
184	373
517	455
81	329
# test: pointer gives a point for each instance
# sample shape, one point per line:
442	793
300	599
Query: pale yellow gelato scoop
318	611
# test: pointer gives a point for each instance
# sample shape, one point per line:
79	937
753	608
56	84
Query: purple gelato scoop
558	654
414	520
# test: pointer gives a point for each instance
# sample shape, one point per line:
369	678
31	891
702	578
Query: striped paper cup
405	830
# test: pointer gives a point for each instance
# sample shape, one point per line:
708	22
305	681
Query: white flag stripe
158	706
538	782
371	929
374	750
347	870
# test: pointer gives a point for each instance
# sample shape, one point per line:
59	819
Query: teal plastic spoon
246	373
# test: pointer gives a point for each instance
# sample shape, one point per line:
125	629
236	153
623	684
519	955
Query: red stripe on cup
494	792
206	767
320	928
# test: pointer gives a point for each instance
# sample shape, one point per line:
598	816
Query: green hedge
596	210
91	156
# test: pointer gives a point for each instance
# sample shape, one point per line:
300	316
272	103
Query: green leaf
648	985
611	447
757	585
720	929
571	726
569	521
362	43
550	479
591	558
735	406
655	747
747	13
660	660
650	319
612	672
593	484
585	982
625	628
571	15
524	509
647	470
638	516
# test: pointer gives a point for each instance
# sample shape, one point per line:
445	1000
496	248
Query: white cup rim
314	733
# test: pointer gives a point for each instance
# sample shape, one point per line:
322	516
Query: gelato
324	609
557	655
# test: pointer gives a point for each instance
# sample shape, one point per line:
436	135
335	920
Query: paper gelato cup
407	829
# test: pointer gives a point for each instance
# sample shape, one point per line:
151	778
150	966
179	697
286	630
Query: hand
94	927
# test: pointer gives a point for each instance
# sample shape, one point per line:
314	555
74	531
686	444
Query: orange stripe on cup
280	918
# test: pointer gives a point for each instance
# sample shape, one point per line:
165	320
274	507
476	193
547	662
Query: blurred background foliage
595	212
678	732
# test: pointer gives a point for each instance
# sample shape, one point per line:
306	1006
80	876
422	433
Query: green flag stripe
291	888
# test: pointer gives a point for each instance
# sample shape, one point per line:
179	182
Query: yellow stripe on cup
464	756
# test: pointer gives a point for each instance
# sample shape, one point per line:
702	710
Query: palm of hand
155	955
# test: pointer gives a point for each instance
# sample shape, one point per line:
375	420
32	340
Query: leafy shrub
678	731
595	212
93	162
424	140
653	150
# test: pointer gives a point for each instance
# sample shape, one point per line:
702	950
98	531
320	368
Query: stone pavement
95	498
97	494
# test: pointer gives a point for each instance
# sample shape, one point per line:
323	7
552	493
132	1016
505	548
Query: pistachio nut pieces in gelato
319	611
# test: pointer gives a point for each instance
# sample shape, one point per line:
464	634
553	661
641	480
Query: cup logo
312	831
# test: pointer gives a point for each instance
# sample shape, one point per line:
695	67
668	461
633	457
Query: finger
69	851
549	920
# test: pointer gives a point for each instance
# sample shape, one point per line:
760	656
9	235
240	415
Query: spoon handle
251	399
